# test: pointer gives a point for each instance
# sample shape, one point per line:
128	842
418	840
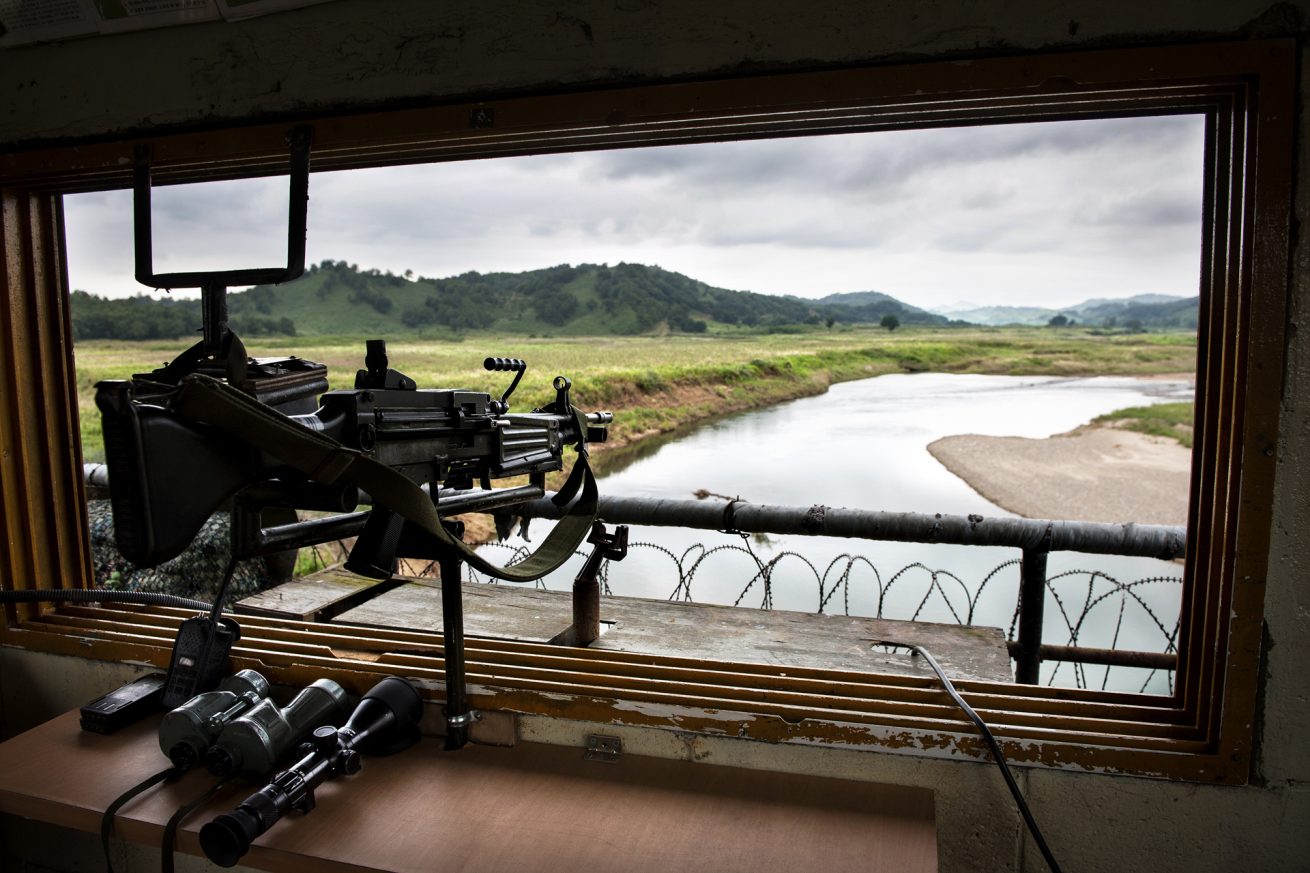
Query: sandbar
1094	473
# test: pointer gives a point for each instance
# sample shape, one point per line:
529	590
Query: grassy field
660	384
1172	420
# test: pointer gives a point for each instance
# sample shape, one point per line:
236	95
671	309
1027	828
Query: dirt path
1090	474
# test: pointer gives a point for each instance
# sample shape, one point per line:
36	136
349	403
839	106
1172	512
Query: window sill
493	809
867	706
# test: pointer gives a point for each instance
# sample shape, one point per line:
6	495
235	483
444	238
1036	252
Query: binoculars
187	732
385	722
237	727
254	741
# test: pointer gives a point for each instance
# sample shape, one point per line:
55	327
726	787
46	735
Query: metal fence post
1032	609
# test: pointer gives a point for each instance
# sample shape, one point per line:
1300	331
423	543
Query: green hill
871	306
587	300
1146	311
1153	311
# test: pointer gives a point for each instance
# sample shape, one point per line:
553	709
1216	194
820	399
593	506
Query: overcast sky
1044	214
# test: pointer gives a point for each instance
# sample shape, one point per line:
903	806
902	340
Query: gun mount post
585	629
458	715
213	304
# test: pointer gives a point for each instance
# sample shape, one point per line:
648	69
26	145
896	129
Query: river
864	445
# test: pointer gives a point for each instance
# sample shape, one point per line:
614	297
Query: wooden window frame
1203	732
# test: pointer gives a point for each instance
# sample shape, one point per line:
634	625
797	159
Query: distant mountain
1136	298
1142	310
871	306
1005	315
950	309
1146	310
335	297
861	298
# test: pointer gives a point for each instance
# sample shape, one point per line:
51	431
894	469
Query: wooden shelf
527	808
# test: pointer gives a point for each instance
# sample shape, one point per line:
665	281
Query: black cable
169	843
991	744
147	598
107	820
216	608
100	595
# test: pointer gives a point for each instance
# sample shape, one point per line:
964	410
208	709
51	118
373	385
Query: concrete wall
355	54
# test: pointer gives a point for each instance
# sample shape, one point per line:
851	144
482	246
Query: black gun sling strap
212	402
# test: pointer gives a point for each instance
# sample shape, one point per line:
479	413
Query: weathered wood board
695	630
319	597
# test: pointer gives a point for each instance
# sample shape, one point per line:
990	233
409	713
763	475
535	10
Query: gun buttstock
166	477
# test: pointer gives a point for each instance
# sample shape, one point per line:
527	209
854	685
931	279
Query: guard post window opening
1242	304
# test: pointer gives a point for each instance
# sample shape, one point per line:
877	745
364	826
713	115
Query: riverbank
660	387
663	385
1097	472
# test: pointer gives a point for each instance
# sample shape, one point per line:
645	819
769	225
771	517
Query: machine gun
177	453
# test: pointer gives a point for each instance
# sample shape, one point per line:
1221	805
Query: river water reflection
864	445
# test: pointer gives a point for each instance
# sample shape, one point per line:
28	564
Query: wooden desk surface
528	808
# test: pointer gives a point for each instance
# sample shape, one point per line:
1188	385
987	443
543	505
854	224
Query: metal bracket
603	748
467	718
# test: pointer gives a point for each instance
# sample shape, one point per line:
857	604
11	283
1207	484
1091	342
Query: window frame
1202	732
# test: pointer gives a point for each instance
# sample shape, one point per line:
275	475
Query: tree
830	321
1058	321
890	322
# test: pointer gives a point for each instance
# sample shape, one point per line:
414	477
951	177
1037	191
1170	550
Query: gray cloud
883	161
1155	208
1006	210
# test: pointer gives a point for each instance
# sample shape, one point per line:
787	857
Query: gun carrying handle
299	139
515	365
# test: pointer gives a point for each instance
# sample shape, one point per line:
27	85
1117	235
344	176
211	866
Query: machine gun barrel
301	534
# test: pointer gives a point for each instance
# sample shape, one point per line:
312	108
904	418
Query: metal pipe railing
1032	616
1035	538
1164	542
1104	657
